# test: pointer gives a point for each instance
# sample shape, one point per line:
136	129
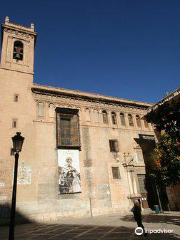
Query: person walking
137	215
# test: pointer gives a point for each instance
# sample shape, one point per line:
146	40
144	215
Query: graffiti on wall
69	171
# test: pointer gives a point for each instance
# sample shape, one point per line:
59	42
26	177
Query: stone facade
31	109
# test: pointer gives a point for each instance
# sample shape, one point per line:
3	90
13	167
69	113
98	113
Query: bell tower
17	104
18	44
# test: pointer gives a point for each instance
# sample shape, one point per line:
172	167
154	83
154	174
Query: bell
17	56
17	53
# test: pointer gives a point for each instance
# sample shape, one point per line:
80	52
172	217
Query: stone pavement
107	227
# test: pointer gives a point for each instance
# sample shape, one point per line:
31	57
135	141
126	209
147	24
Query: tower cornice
19	30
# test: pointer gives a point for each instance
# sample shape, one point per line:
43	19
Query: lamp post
159	200
157	192
17	146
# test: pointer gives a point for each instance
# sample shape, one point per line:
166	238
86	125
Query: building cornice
169	97
54	91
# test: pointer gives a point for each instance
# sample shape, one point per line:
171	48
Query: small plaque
24	175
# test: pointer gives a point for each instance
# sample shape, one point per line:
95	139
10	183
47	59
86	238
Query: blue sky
123	48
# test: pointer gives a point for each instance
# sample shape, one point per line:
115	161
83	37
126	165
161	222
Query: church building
84	154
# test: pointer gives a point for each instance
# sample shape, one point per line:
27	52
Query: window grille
141	181
67	128
113	144
116	173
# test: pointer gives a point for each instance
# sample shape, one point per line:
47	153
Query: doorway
147	183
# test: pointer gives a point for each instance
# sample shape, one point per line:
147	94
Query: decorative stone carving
19	33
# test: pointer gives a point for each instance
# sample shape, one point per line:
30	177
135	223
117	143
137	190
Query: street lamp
157	192
17	146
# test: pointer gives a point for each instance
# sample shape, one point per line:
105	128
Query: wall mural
69	172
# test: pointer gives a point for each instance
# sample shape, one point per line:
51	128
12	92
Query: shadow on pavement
68	231
156	218
5	216
108	227
78	231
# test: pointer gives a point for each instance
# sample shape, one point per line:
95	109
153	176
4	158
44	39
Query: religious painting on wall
24	175
69	171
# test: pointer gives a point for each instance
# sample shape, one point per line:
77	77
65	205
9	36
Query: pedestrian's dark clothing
138	216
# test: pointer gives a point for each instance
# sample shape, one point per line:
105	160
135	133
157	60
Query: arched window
105	117
18	50
96	116
122	119
130	118
113	117
138	121
146	124
87	114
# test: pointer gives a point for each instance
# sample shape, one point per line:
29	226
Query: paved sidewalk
107	227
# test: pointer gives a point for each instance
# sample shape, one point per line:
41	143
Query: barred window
130	118
65	124
113	116
141	181
122	119
67	128
138	121
105	117
116	173
113	144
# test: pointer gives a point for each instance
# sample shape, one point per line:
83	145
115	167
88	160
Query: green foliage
166	117
167	156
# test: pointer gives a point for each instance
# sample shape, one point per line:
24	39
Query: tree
166	118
